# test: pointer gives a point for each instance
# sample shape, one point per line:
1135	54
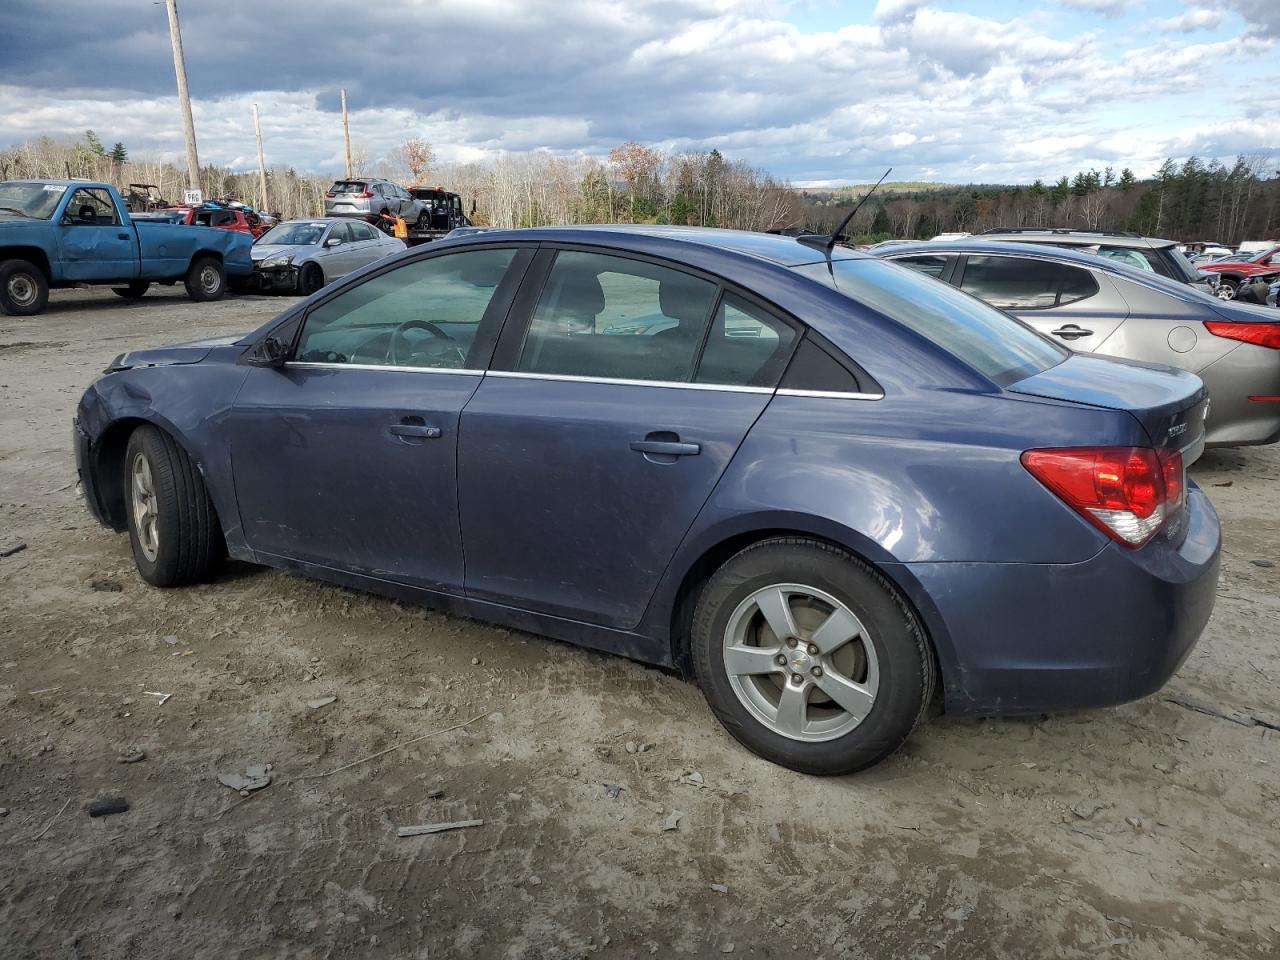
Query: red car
224	218
1232	272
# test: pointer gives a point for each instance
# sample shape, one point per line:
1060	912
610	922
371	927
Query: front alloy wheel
146	508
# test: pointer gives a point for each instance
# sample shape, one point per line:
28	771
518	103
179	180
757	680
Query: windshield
995	344
293	234
35	201
1261	257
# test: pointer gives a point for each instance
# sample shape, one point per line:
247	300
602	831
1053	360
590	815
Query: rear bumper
1235	420
1031	638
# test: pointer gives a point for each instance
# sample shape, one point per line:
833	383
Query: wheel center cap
799	659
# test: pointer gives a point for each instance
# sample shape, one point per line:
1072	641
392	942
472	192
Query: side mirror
271	352
333	241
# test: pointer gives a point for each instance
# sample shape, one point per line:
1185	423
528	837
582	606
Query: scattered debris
132	755
425	828
51	822
1256	563
535	881
644	748
673	821
1086	809
4	811
612	790
1228	483
475	661
727	948
105	586
171	640
720	887
107	806
163	698
631	746
253	778
435	794
405	743
1135	822
321	702
1222	713
693	779
9	549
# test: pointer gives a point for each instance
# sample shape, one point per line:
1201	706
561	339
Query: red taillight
1127	492
364	196
330	195
1264	334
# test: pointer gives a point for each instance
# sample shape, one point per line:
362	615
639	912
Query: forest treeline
1191	200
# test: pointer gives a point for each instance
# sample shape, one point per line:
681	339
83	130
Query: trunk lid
1170	404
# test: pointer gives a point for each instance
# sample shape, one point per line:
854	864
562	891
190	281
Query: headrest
580	295
683	298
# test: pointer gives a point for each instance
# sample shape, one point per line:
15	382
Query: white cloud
1193	20
1108	8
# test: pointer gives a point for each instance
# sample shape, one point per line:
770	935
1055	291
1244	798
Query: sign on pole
192	197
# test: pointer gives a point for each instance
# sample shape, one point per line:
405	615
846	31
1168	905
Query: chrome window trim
380	366
673	384
829	394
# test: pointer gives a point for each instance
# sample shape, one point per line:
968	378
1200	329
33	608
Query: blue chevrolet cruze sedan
825	484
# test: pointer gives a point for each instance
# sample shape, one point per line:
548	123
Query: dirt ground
1146	831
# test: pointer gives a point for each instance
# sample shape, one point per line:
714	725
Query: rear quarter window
993	343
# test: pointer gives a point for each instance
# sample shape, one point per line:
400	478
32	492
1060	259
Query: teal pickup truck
63	233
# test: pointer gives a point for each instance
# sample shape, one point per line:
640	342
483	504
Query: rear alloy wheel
133	289
1227	289
24	291
206	279
173	529
310	279
809	657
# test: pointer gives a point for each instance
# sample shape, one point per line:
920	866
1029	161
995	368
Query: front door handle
666	448
1072	332
124	236
414	427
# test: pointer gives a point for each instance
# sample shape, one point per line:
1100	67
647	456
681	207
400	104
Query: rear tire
310	279
206	280
883	670
173	528
132	290
24	291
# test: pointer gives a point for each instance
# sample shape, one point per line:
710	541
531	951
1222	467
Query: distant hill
846	194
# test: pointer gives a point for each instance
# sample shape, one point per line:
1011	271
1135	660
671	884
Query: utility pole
346	134
184	99
262	166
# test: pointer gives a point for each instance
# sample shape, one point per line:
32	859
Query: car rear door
621	389
1078	307
345	456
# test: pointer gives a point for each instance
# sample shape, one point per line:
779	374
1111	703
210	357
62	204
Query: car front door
1077	307
341	258
602	428
94	244
345	456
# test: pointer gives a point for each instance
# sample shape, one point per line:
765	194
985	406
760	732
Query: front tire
24	291
132	290
1227	288
173	528
206	279
310	279
809	657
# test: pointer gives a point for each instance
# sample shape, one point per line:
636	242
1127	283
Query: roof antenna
827	243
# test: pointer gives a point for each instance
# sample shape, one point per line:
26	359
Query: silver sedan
303	255
1092	304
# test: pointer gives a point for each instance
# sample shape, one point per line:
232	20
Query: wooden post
184	99
262	166
346	135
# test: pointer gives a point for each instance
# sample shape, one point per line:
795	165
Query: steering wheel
393	352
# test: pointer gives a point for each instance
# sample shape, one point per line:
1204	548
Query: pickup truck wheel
206	280
24	291
173	528
132	290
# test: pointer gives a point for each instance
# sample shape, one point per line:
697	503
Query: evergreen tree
880	224
93	144
119	155
1127	180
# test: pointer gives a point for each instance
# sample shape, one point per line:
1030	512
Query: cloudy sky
817	91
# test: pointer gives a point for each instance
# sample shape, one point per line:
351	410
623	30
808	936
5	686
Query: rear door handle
414	427
1072	332
666	448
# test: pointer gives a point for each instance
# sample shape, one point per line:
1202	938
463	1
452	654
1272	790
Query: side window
423	314
746	347
341	231
91	207
613	317
1020	283
1134	258
930	265
360	230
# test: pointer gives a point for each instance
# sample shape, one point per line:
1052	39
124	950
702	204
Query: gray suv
369	199
1142	253
1093	304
